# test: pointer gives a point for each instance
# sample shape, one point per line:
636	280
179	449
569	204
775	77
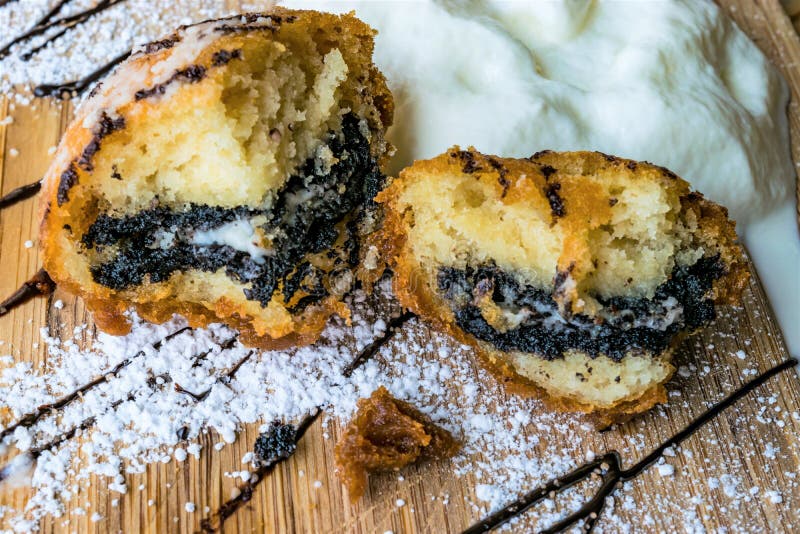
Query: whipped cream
675	83
672	82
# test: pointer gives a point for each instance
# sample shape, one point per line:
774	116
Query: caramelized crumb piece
387	434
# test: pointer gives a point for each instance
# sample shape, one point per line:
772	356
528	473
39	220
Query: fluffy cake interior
574	273
249	126
226	173
627	249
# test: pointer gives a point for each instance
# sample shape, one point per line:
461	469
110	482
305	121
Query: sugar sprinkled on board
508	442
665	470
180	454
86	46
141	418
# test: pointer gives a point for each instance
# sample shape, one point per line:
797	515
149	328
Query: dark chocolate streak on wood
34	453
19	194
224	379
39	284
370	350
31	418
26	56
80	85
48	21
609	468
228	508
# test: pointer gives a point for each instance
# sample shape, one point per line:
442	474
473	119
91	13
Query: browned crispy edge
108	307
415	292
349	449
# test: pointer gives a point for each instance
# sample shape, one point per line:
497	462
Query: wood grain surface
288	501
768	25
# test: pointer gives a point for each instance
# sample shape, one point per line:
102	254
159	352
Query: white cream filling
239	235
548	318
660	317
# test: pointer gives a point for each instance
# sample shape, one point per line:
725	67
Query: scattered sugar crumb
665	470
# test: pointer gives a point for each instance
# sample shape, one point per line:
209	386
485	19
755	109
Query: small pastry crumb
387	434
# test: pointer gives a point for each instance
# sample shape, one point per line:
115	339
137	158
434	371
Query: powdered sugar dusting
89	45
511	444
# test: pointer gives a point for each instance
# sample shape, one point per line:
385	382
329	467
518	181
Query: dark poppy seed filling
625	324
157	242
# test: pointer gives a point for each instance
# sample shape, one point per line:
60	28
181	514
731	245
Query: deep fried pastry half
225	173
574	274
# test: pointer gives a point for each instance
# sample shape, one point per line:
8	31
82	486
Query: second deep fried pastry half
225	173
574	274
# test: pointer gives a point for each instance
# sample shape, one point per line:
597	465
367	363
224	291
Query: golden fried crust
525	181
513	382
68	203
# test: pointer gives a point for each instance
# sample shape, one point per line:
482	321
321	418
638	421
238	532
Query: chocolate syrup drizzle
34	452
39	284
214	522
51	21
76	87
230	507
32	418
224	379
19	194
609	468
370	350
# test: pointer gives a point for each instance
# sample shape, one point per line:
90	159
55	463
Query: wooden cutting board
288	502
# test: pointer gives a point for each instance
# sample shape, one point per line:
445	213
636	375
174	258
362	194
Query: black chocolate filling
689	286
299	225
